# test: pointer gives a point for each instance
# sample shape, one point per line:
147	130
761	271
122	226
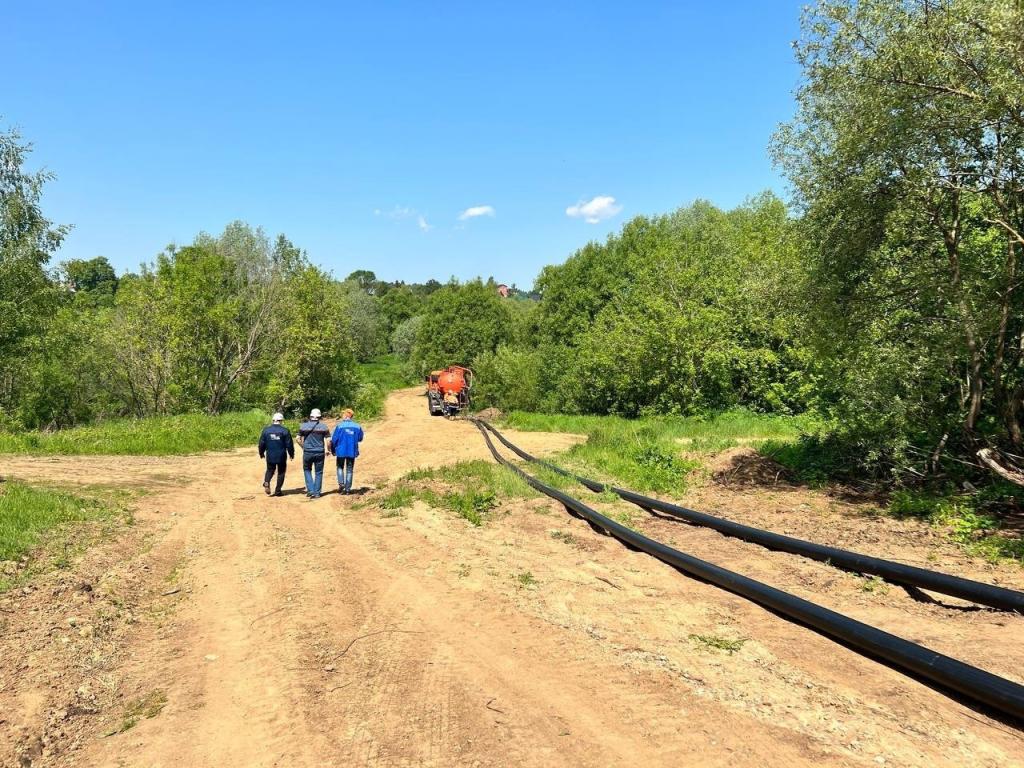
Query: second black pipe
897	573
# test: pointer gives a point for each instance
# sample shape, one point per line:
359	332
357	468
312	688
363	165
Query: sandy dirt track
290	632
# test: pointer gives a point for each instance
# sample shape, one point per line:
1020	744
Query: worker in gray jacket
315	440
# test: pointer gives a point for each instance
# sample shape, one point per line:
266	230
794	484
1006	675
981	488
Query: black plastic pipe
974	683
897	573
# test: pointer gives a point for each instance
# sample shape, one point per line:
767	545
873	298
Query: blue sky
363	131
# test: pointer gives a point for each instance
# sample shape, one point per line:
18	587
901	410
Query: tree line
229	321
884	297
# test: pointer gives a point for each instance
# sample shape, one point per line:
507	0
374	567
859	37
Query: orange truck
448	390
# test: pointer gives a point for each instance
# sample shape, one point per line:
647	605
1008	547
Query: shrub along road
227	628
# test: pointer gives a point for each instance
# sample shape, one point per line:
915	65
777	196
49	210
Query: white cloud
399	212
594	210
477	210
405	213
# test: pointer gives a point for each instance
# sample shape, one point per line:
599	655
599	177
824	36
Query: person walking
313	436
345	445
277	447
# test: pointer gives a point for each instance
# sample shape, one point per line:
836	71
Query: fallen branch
609	582
988	458
271	613
354	640
494	709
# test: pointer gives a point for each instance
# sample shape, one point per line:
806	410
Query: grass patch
874	584
377	378
483	475
813	459
718	643
143	708
38	521
471	505
400	497
526	580
565	537
471	489
967	520
731	425
153	436
645	453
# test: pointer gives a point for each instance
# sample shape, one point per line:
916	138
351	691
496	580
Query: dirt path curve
290	632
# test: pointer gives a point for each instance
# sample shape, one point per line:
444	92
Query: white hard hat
315	413
277	417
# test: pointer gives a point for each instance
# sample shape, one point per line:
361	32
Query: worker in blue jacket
345	444
277	447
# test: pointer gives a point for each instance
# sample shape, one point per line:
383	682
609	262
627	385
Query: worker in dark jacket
345	445
277	447
315	439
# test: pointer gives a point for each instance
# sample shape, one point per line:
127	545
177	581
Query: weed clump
400	497
146	707
525	580
718	643
471	505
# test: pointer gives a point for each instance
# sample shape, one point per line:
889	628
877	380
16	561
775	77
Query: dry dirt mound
746	467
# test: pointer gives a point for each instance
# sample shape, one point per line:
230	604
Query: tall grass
152	436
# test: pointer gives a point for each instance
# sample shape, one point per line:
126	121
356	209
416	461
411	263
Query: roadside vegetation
883	304
152	436
471	490
377	378
970	519
41	527
644	453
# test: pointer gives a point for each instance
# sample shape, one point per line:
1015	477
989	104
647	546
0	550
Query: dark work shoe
278	493
266	488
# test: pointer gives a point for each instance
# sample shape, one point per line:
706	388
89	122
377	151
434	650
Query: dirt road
231	629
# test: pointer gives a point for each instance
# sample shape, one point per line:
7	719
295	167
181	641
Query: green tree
678	314
403	339
92	278
313	364
399	304
460	321
365	324
907	157
366	280
27	240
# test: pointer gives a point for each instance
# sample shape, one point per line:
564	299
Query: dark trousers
280	467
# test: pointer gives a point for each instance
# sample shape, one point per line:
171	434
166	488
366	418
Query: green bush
509	378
